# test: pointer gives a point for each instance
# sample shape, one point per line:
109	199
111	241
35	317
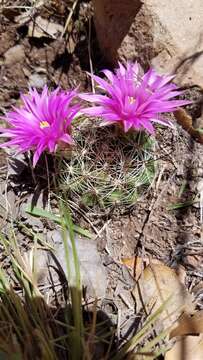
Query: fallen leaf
129	262
41	27
71	45
187	348
189	325
185	120
157	284
26	17
137	264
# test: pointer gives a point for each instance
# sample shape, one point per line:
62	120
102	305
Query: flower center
44	124
131	99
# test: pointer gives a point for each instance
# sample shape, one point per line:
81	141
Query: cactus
108	168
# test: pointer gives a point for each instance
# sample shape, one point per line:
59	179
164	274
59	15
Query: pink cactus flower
133	100
42	123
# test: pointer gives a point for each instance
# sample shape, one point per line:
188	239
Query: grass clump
41	322
38	326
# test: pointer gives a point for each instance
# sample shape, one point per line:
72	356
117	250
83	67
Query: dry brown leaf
157	284
41	27
185	120
129	262
71	44
189	325
187	348
137	264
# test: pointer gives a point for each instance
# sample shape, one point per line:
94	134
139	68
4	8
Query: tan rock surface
113	20
166	34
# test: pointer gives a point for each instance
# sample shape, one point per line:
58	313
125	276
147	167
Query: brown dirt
150	227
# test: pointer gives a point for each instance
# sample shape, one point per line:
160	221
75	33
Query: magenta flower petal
93	111
67	139
132	99
42	123
39	150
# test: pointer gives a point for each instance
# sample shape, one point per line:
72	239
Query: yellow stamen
43	124
131	99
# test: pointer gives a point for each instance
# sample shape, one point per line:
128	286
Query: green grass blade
38	212
181	205
76	334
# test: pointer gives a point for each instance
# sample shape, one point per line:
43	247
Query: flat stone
14	55
92	271
16	163
31	221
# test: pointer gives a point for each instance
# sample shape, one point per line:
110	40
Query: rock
14	55
200	186
16	163
31	221
93	275
12	208
165	34
112	21
7	202
37	80
41	27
